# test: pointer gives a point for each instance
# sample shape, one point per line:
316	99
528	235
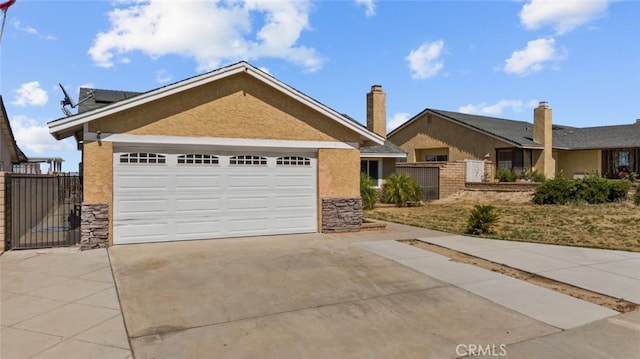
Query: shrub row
590	189
507	175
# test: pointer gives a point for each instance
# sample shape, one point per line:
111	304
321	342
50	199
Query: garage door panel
247	226
140	232
143	208
198	228
294	203
199	206
174	201
204	182
149	183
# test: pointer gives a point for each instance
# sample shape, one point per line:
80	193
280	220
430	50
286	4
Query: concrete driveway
300	296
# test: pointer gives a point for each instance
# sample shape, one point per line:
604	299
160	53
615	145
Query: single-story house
437	135
11	157
229	153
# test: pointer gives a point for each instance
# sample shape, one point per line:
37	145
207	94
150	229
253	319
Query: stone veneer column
341	214
94	226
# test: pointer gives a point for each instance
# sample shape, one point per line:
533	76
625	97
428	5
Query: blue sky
494	58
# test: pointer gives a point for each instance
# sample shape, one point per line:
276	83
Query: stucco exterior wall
235	107
579	162
98	177
462	142
388	167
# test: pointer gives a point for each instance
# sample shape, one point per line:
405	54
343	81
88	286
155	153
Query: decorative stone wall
94	226
341	214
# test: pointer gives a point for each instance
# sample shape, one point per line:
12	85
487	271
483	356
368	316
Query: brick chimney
542	133
377	111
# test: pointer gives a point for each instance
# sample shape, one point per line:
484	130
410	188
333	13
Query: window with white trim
197	159
293	161
143	158
372	169
248	160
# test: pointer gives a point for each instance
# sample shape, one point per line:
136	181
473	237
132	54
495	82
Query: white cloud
163	76
215	32
369	7
397	120
17	24
533	57
30	94
496	108
562	15
425	61
35	137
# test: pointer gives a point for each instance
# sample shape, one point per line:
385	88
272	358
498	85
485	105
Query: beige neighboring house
441	136
229	153
10	153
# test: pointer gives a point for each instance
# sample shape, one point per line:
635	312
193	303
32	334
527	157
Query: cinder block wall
452	178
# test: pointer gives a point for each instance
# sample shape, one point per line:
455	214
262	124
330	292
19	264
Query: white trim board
182	141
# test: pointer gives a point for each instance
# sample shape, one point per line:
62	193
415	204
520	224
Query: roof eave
65	127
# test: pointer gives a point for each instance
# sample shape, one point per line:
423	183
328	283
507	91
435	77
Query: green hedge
591	189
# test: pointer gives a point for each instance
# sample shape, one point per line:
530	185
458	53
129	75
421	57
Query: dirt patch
495	197
616	304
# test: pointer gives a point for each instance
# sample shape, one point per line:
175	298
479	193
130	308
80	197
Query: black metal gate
43	211
428	178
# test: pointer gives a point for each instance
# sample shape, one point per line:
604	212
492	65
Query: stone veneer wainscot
341	214
94	226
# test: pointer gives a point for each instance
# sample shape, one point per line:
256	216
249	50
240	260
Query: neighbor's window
371	168
197	159
143	158
436	158
293	161
248	160
623	158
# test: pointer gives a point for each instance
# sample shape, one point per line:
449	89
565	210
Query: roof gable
5	127
66	127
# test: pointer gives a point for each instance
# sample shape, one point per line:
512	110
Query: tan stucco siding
579	162
235	107
462	142
98	176
338	173
388	167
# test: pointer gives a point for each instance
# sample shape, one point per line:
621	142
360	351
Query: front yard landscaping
608	225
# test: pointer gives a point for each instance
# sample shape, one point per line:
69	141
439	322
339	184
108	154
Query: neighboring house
10	154
436	135
233	152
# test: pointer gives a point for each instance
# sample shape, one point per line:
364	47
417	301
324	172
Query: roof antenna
69	101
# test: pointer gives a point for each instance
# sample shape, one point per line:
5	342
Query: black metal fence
428	178
43	210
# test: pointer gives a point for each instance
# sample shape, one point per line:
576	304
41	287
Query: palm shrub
482	220
400	188
506	175
368	194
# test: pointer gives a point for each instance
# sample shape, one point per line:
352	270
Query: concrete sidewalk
545	305
609	272
60	303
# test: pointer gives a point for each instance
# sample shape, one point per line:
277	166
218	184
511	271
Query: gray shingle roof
387	148
620	136
96	98
520	133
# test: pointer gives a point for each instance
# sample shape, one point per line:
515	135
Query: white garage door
170	195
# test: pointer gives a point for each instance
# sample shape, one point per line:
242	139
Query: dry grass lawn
611	226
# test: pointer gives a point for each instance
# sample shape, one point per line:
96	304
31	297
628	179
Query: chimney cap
376	88
543	104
